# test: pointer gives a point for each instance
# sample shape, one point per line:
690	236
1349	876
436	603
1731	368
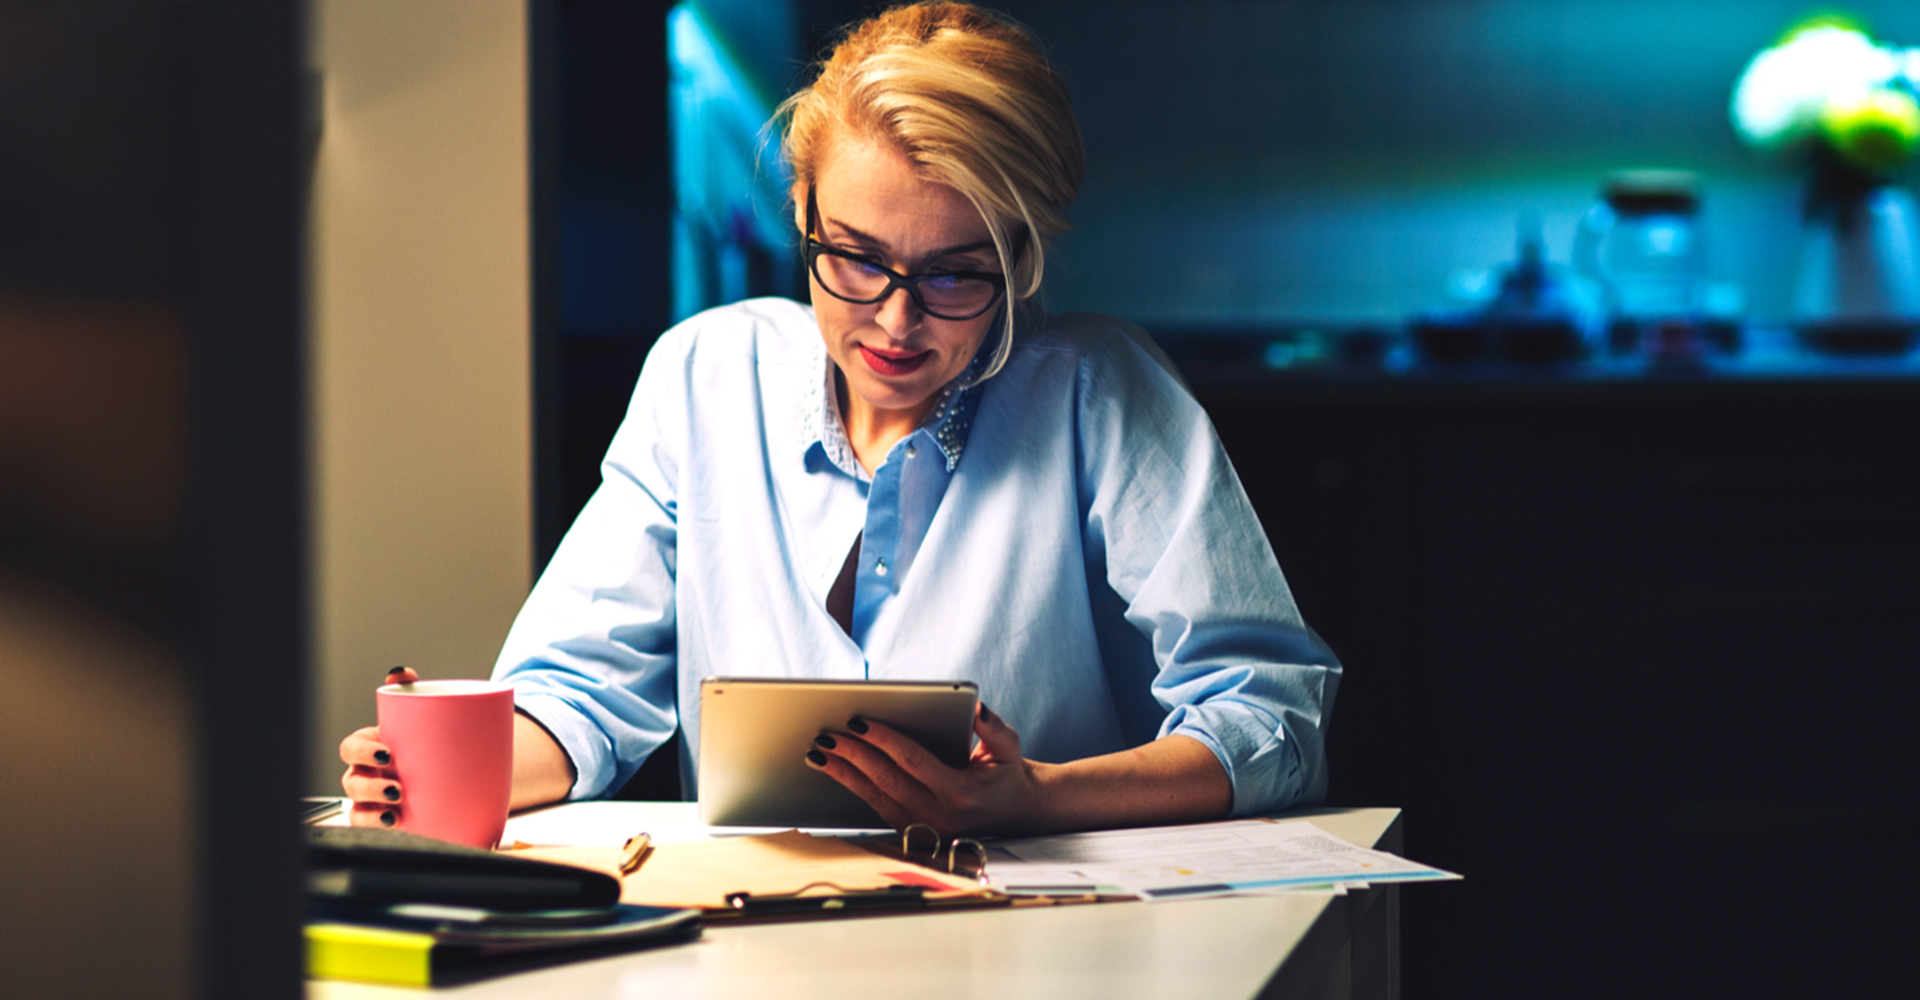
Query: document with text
1234	857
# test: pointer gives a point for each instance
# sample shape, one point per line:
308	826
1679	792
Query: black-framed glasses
862	280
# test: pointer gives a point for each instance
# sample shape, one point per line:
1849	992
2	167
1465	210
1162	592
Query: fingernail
392	792
985	712
395	670
816	759
858	725
382	758
387	818
824	740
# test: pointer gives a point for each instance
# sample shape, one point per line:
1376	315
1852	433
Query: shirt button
880	566
913	452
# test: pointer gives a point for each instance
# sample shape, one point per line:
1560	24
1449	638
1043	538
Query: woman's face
871	201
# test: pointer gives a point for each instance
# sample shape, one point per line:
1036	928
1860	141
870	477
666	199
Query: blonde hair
971	100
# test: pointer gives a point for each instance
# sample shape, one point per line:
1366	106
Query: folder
786	875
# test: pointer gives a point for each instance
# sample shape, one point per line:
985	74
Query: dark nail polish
985	712
392	792
387	818
858	725
824	740
382	758
816	758
395	670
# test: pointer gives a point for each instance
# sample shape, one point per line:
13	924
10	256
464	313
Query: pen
316	809
893	897
634	852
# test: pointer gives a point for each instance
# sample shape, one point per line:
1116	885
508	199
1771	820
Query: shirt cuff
582	741
1255	760
1226	761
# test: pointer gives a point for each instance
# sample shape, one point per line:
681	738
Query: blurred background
315	321
153	599
1286	161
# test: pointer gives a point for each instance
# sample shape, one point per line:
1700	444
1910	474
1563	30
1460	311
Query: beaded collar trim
949	423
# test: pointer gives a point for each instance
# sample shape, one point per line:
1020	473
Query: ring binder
976	869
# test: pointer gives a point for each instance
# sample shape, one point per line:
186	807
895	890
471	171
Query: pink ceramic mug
452	744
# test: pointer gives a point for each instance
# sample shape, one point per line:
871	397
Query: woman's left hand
997	790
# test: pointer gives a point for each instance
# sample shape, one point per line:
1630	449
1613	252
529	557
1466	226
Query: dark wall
1632	657
602	235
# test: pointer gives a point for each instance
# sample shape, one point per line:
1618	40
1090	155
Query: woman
924	476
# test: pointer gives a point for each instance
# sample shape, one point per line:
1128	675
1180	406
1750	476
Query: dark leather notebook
351	864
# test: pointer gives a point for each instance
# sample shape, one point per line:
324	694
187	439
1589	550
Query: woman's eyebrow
951	251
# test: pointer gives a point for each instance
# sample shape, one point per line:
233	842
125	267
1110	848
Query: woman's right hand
369	780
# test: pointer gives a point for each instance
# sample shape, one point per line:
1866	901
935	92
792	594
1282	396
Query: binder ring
979	850
954	848
906	839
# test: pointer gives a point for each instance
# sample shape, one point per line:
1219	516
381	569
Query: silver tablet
755	733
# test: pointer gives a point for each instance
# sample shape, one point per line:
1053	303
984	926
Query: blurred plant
1846	107
1829	91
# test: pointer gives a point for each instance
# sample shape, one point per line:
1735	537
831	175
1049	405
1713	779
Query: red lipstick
903	363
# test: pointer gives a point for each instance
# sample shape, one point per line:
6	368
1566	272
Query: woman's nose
898	314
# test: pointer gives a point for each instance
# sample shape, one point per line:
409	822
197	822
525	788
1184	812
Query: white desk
1255	946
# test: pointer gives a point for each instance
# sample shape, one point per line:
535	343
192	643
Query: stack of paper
1189	862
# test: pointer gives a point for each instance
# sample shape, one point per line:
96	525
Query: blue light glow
730	237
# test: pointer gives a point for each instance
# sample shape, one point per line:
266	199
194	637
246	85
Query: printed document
1204	859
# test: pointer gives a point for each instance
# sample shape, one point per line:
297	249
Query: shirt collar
948	424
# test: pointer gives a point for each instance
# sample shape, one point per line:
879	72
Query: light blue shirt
1068	535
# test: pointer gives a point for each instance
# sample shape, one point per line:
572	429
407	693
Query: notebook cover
363	865
423	953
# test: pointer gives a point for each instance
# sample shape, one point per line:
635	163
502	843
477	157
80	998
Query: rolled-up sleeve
1238	670
592	654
